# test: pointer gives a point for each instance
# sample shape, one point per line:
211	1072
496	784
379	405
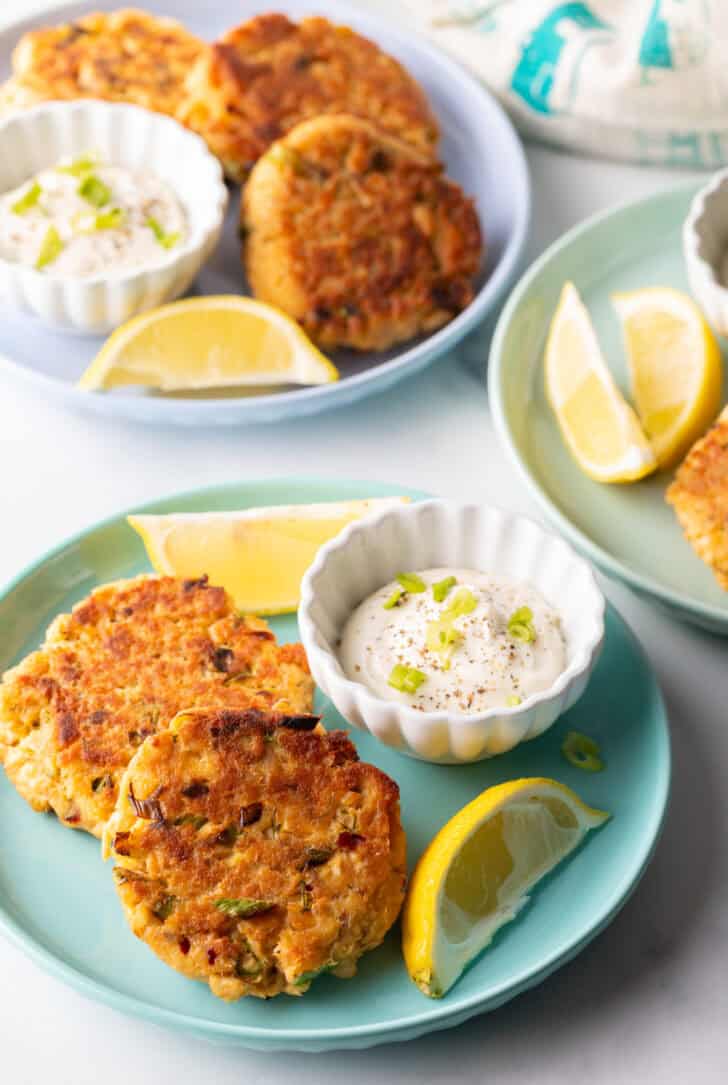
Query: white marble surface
649	998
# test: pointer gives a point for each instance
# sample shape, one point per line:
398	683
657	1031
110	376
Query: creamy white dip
508	646
83	218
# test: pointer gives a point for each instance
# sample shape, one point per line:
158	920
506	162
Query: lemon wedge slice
475	875
598	425
675	365
208	342
259	555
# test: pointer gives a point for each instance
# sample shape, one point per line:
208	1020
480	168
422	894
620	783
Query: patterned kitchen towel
645	80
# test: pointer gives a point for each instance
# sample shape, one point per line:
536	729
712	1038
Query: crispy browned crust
699	496
125	661
357	236
265	76
249	806
122	56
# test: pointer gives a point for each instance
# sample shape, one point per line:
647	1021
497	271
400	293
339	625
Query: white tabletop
649	998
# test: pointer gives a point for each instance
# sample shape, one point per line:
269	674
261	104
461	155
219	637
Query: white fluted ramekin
705	247
430	534
128	136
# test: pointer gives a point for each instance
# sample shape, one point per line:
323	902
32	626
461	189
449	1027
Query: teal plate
57	901
629	531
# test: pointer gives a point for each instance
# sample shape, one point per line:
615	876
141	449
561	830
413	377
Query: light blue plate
57	901
629	531
479	147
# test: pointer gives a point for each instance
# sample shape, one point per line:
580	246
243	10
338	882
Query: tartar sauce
455	640
83	218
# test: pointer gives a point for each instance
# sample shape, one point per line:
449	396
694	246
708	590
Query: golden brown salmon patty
122	56
255	851
699	496
264	77
357	236
120	666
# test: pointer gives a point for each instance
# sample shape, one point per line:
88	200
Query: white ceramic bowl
705	245
371	552
124	135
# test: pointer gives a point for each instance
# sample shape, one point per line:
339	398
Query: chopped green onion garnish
197	821
79	166
167	241
50	249
247	965
164	907
242	907
463	602
582	752
412	583
513	700
286	158
406	679
29	199
94	191
441	589
442	638
110	220
520	625
394	599
306	977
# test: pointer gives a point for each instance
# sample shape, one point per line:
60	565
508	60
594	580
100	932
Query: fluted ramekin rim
707	283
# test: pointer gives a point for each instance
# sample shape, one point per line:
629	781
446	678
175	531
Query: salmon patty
265	76
357	236
118	668
254	851
699	496
121	56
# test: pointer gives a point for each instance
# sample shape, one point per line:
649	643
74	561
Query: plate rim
439	1016
310	399
601	557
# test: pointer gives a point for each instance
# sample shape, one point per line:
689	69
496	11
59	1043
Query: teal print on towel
682	150
478	16
655	49
677	35
543	51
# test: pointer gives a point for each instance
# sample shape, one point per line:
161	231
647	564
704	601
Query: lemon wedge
259	555
675	365
598	425
208	342
476	873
